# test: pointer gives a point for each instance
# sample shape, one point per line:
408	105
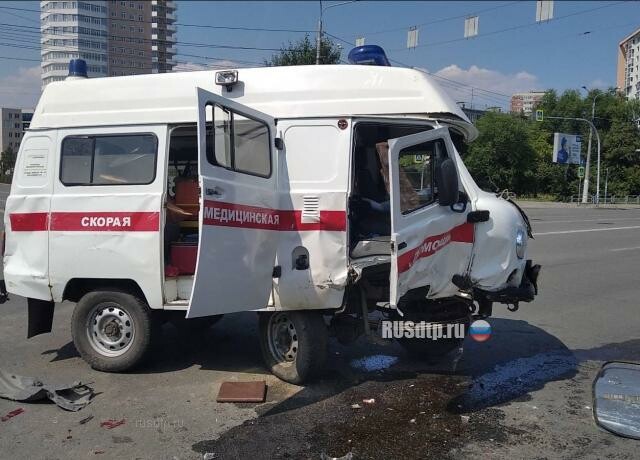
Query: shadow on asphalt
415	402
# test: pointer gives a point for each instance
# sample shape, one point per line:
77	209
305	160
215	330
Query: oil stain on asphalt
412	417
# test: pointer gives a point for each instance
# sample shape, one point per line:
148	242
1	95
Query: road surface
524	393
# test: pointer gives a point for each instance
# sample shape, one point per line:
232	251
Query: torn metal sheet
72	397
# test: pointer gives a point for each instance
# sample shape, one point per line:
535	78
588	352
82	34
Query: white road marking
602	219
586	230
626	249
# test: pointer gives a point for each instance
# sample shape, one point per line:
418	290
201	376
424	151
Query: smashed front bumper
512	295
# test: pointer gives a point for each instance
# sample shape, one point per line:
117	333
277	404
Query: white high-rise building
628	75
71	30
114	37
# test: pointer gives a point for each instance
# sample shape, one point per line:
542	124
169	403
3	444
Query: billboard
566	148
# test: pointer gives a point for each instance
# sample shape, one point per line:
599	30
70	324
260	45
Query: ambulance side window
238	143
417	165
128	159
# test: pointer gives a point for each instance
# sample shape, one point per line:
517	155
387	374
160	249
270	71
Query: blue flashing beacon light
368	55
78	68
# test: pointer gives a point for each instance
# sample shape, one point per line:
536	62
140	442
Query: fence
604	200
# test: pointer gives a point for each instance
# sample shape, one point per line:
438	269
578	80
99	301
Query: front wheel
293	344
429	349
112	330
442	314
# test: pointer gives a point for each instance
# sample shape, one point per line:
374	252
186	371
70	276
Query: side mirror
447	182
616	397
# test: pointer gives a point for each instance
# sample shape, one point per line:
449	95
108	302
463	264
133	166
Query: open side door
239	216
431	243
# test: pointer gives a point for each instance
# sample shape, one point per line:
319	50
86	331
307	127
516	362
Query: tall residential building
525	103
114	37
628	75
71	30
129	38
163	35
10	129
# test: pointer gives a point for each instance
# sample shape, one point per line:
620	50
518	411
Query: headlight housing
521	243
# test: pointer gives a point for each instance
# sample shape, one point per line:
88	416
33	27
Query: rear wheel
112	330
293	344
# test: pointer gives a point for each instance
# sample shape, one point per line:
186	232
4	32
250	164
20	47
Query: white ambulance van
314	195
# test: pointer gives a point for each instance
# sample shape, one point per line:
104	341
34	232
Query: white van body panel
432	243
239	222
108	232
26	217
313	180
282	92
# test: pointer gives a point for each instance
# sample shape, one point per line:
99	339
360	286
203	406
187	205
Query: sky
512	53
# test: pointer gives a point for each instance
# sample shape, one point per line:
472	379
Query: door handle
214	192
402	245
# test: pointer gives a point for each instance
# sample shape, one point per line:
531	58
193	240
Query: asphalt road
526	393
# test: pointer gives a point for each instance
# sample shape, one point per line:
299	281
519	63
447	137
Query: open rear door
431	243
239	217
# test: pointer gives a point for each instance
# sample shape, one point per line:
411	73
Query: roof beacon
368	55
77	69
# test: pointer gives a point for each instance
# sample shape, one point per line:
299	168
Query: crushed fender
72	397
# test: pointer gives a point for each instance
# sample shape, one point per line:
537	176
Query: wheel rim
282	338
110	329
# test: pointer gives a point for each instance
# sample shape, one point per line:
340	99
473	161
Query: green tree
303	52
502	156
7	164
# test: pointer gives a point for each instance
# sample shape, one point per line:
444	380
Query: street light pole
593	129
319	34
319	37
606	183
585	188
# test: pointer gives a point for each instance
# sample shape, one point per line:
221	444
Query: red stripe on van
235	215
461	234
29	221
105	221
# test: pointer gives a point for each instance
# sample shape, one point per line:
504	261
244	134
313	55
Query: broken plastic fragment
72	397
110	424
12	414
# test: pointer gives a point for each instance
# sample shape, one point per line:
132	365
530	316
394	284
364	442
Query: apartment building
114	37
163	35
11	129
129	38
525	103
628	74
72	30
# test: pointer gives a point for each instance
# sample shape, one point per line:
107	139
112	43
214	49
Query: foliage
303	52
515	152
7	163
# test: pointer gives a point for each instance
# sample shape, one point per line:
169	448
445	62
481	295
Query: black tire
429	349
100	311
444	313
310	355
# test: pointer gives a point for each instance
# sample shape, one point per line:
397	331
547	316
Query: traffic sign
581	172
539	115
